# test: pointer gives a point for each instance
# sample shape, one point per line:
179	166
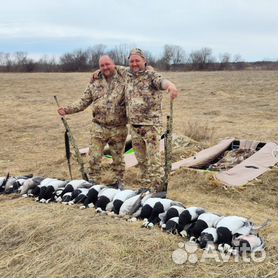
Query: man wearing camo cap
107	96
144	112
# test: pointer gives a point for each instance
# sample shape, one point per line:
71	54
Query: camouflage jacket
144	98
107	99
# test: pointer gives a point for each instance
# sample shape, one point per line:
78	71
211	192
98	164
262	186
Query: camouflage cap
137	51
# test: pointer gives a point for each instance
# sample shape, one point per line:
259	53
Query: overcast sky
53	27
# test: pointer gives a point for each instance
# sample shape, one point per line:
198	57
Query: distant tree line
173	58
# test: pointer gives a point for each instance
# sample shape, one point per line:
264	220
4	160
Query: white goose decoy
79	196
74	184
173	211
3	182
92	196
120	198
105	196
47	192
12	184
205	220
65	199
132	205
247	243
30	184
207	236
171	225
188	216
147	207
227	227
233	226
35	192
159	208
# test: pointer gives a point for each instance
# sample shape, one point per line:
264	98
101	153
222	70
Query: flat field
54	240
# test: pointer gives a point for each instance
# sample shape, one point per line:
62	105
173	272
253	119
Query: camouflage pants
115	137
146	142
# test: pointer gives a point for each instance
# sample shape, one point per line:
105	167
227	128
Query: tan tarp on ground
204	157
239	175
242	173
251	167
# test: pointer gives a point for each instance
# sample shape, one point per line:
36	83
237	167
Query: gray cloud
247	27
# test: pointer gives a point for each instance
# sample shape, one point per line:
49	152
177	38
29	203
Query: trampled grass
53	240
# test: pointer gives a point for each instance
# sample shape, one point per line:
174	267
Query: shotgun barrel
168	147
74	145
68	154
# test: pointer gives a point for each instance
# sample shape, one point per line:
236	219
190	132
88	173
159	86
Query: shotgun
168	147
74	145
68	154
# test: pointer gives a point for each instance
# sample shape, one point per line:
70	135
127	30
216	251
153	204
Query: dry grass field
54	240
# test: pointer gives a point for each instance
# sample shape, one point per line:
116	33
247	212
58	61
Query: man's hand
61	111
172	90
94	76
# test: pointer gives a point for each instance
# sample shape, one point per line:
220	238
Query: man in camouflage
107	96
143	105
